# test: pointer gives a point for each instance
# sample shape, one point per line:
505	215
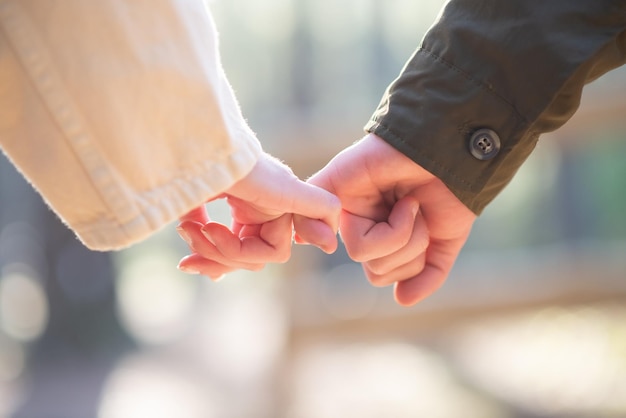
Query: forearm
118	112
517	68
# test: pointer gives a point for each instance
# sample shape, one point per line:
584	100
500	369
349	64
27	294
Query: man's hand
400	221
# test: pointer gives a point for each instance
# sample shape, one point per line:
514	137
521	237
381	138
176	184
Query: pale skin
398	220
262	204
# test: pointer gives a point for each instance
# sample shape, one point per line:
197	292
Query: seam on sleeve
484	86
377	125
40	70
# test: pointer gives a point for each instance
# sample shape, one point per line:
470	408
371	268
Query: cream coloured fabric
118	112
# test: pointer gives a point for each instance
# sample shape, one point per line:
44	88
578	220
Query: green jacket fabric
514	67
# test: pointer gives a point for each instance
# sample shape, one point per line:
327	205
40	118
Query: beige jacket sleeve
118	112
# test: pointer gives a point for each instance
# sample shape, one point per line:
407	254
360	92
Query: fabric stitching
469	77
61	108
420	153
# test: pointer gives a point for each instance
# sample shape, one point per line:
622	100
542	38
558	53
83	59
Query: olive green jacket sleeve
515	67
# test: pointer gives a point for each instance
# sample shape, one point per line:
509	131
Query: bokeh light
550	361
243	337
155	301
23	304
147	387
379	380
12	360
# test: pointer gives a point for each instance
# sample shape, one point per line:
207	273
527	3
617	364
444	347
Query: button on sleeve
484	144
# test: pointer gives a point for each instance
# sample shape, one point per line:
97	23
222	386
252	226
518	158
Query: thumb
316	215
314	202
315	232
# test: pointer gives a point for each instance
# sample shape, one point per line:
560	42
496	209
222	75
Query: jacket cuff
435	114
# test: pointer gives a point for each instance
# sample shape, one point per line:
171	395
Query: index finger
366	239
198	215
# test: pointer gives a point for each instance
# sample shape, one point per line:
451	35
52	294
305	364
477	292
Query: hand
261	205
400	221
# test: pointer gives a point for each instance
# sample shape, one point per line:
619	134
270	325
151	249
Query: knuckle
256	267
214	272
376	280
283	257
423	243
420	263
379	267
216	277
356	253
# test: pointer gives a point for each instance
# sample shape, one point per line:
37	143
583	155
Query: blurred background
531	323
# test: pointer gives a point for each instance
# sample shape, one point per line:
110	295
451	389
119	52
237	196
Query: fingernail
299	240
329	249
183	234
218	278
415	207
188	269
207	235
